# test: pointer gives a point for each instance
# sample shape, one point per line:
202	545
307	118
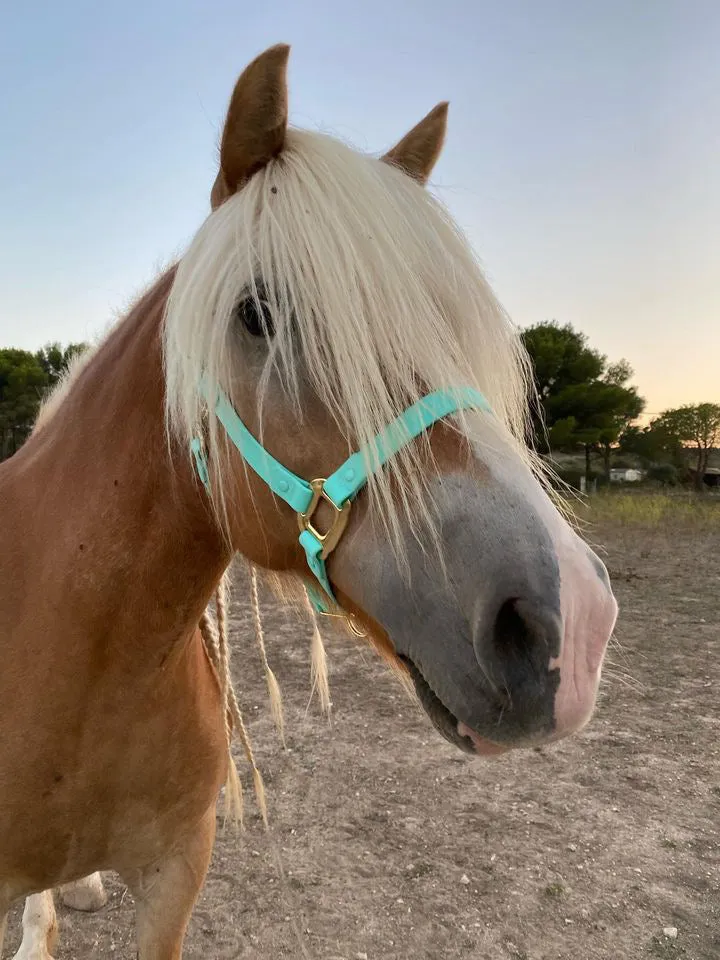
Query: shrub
665	474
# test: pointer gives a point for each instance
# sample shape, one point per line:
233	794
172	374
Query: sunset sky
583	156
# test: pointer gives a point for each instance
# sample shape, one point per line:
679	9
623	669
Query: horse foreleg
86	894
39	927
165	893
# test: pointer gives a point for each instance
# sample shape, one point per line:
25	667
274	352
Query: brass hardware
331	537
349	621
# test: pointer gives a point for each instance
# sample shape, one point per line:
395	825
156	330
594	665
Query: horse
324	383
39	921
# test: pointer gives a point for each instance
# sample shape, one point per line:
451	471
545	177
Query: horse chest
114	784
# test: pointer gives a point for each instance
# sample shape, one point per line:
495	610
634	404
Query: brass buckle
331	537
348	619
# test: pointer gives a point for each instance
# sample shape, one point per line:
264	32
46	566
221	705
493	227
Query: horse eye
256	317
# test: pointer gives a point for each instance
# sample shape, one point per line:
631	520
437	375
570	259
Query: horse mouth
445	721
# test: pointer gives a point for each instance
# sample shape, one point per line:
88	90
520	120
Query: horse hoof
87	894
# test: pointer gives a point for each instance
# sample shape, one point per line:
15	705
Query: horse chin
445	721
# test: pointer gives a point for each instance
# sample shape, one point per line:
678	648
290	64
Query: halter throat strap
341	487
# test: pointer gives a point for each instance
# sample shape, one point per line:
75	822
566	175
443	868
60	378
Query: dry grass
644	510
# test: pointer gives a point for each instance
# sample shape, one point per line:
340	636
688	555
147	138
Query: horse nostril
516	650
512	635
514	647
526	631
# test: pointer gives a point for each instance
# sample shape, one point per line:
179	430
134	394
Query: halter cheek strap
342	486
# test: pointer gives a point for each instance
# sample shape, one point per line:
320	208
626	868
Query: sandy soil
395	845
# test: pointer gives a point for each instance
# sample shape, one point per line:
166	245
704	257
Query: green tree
22	381
560	358
696	425
584	400
618	405
54	359
653	444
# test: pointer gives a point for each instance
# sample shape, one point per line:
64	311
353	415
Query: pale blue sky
583	155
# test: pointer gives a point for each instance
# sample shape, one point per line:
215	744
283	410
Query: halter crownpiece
341	487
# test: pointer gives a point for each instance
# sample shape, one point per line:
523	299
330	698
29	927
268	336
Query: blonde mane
376	296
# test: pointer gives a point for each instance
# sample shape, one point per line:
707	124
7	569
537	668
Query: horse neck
132	535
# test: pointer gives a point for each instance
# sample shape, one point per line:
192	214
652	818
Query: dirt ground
395	845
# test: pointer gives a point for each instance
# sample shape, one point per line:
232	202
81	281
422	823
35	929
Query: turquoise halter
341	487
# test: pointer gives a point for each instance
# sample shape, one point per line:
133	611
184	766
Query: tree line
588	404
25	378
584	404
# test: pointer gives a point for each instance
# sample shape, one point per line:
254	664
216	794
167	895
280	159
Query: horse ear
417	153
256	122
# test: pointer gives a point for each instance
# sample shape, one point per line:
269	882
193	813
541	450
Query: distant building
626	475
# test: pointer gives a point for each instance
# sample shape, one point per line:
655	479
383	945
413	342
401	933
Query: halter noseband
342	486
